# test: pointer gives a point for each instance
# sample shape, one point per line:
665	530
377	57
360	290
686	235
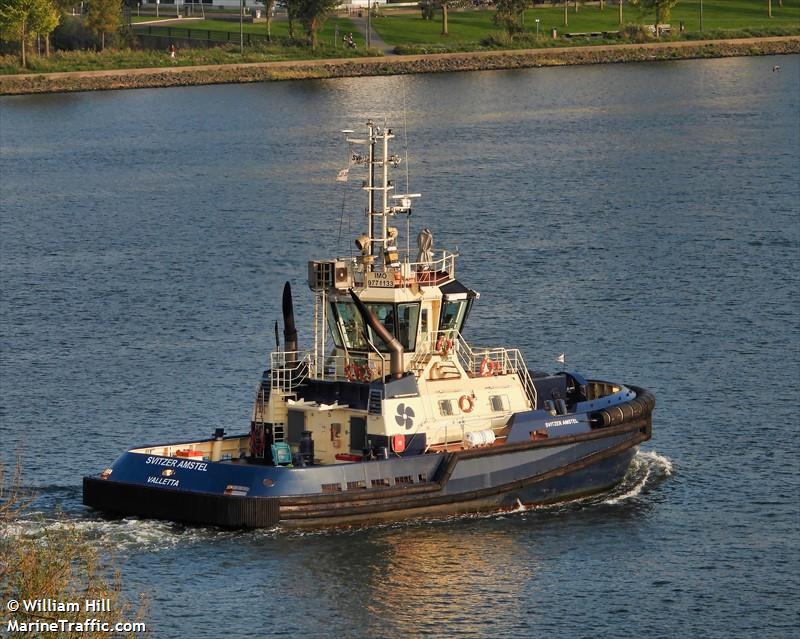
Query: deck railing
289	369
485	361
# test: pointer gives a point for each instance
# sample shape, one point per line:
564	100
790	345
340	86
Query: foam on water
647	468
133	534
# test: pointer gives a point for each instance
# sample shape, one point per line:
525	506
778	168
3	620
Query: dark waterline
643	219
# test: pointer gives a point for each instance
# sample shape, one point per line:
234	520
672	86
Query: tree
20	20
269	7
445	5
508	14
292	12
663	8
312	14
44	22
103	17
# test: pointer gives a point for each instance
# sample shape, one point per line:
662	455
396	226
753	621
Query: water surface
642	219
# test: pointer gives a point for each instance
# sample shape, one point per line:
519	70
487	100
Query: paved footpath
376	41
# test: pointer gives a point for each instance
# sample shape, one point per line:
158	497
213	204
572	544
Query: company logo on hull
405	416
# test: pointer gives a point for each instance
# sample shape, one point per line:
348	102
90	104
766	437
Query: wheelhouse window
347	325
386	315
407	322
453	314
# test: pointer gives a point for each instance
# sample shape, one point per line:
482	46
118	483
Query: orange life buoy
365	373
443	345
466	403
487	367
398	443
352	372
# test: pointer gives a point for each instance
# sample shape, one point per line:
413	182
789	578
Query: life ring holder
466	403
487	367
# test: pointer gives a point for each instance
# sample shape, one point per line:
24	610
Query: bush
57	561
72	35
428	9
498	40
636	33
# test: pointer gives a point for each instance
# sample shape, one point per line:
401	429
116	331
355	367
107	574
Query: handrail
407	273
493	360
291	368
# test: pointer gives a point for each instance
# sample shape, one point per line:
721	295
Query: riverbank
402	64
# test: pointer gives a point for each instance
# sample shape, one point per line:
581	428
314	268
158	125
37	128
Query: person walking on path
376	41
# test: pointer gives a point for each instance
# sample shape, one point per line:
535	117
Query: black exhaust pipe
289	330
396	348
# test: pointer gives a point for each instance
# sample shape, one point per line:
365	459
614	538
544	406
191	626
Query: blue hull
240	494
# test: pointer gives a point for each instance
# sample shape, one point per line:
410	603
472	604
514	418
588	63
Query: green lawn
187	56
722	18
473	26
279	28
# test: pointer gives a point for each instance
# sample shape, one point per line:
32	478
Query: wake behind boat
392	414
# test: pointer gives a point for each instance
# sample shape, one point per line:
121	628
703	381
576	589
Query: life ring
365	373
466	403
487	367
352	372
443	345
398	443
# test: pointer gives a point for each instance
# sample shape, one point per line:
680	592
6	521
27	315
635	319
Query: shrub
72	35
56	560
635	33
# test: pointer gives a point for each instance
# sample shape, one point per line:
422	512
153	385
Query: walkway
376	41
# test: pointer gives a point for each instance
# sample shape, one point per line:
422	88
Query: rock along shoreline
391	65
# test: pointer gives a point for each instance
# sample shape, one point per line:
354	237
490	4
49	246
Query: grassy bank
472	30
391	65
410	34
330	46
62	61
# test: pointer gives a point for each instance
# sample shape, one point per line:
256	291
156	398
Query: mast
387	134
379	242
371	186
379	236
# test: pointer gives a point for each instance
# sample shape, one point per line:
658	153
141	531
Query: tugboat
392	414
